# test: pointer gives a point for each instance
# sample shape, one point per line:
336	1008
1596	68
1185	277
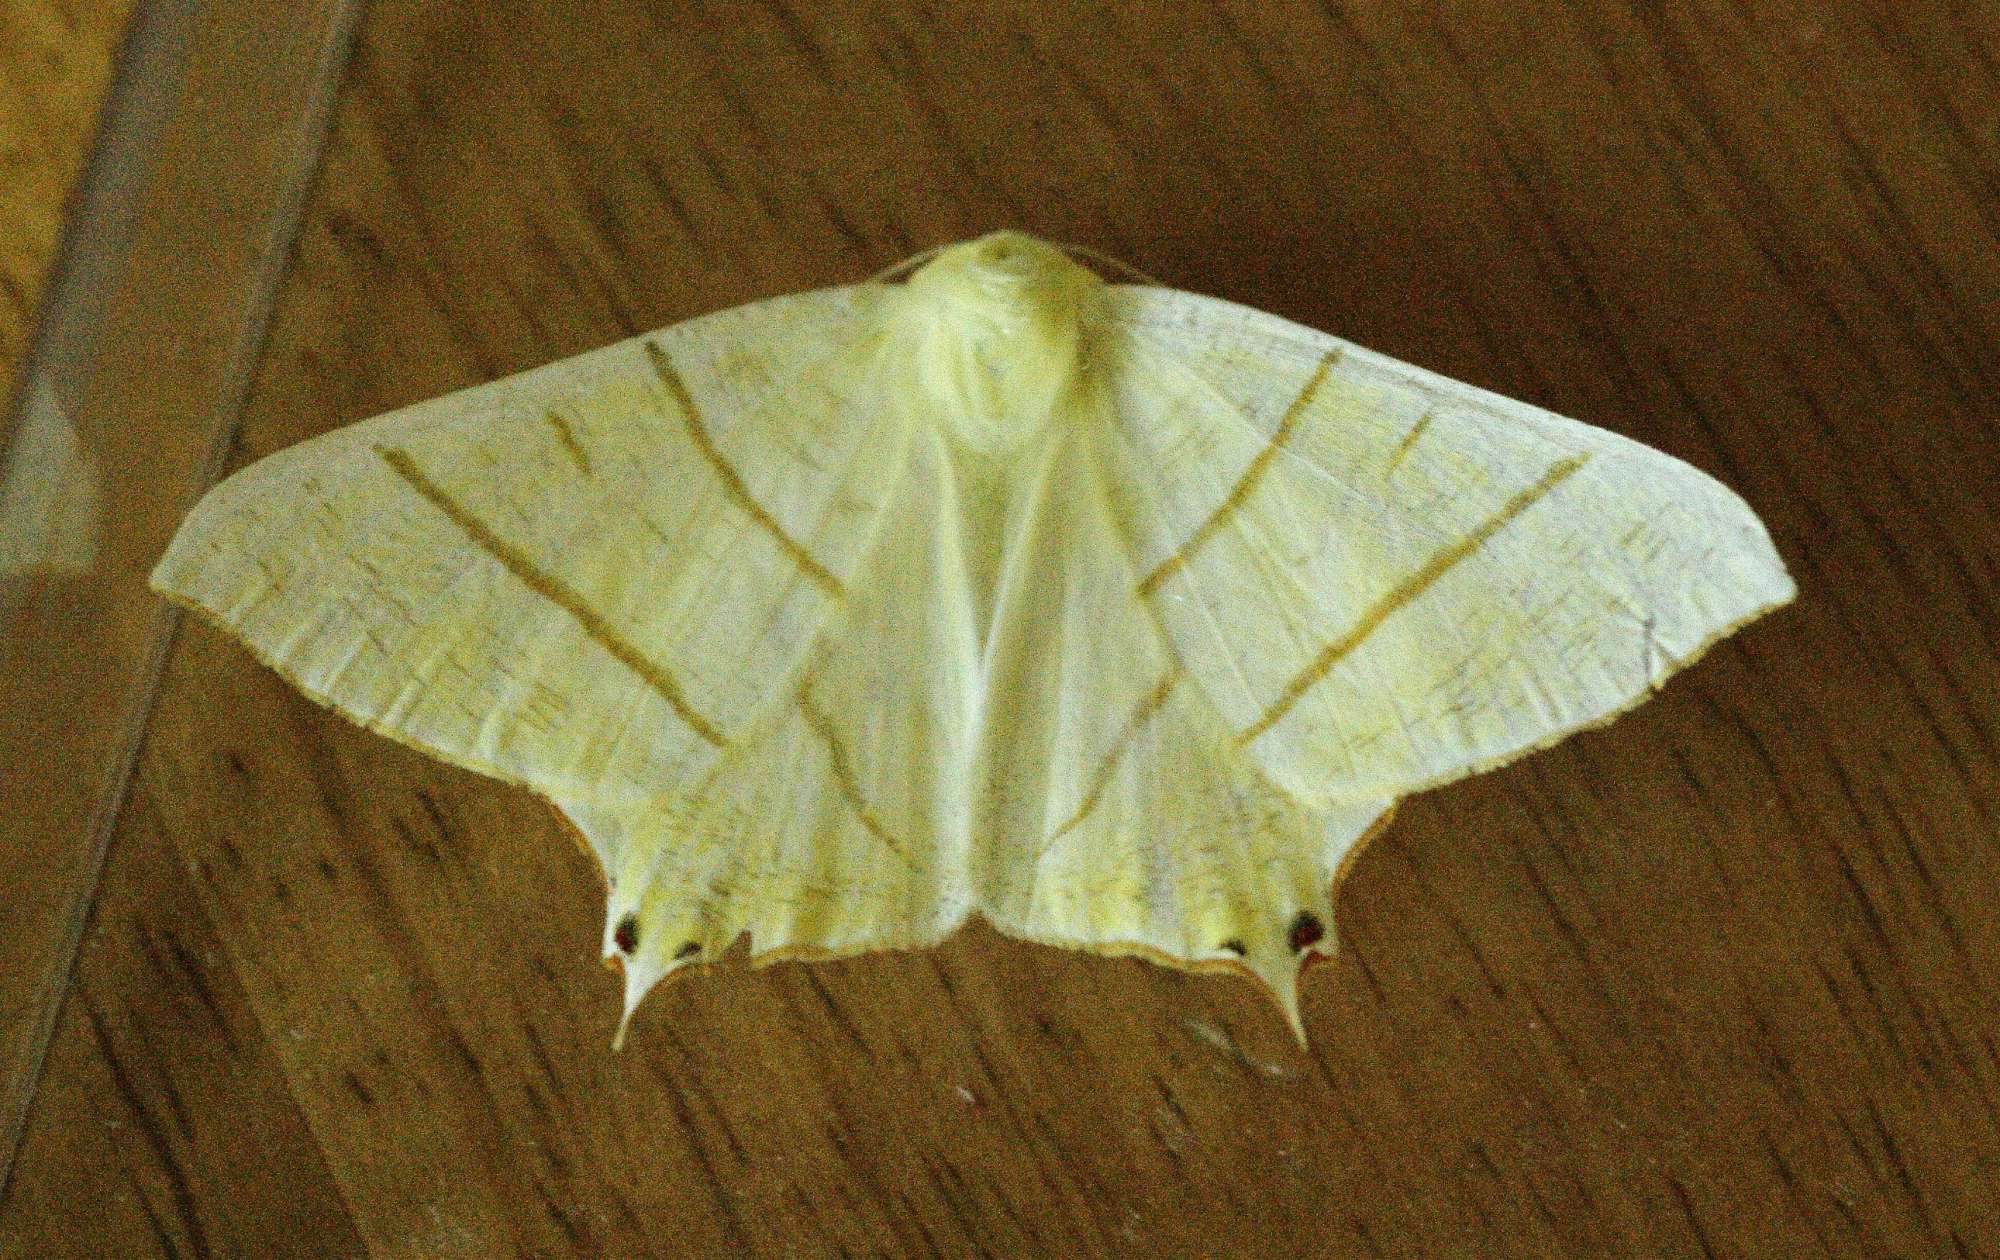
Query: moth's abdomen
995	325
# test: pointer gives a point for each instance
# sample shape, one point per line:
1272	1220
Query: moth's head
1007	277
998	322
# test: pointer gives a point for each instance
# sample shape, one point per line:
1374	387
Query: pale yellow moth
1114	614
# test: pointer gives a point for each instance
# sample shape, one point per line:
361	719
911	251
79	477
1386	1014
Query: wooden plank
55	68
144	360
162	1103
1712	980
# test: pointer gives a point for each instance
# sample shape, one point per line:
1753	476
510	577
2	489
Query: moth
1117	615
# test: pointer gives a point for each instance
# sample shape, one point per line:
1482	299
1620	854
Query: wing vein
567	436
1409	440
844	778
553	589
732	481
1101	778
1407	590
1246	483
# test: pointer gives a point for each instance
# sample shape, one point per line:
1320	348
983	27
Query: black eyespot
688	950
1306	931
626	937
1234	946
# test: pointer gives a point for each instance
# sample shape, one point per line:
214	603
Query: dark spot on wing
1306	931
626	937
688	950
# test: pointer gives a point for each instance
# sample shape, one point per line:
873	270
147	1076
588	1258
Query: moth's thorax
996	326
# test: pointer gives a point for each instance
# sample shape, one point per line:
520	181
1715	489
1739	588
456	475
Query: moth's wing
1117	813
590	578
829	830
1385	579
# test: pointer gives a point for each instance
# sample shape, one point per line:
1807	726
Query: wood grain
56	59
142	361
1717	980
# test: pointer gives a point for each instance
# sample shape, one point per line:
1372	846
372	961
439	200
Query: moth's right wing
1386	579
591	578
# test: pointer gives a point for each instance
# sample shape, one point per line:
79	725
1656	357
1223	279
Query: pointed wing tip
1293	1020
1785	589
168	575
1280	981
637	985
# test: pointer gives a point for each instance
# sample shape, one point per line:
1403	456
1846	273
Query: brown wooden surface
56	58
143	355
1716	980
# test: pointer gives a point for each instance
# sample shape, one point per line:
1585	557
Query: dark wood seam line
225	420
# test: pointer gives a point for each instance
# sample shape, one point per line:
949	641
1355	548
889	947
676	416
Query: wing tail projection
836	825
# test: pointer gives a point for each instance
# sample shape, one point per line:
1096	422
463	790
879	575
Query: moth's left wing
831	828
593	577
1385	579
